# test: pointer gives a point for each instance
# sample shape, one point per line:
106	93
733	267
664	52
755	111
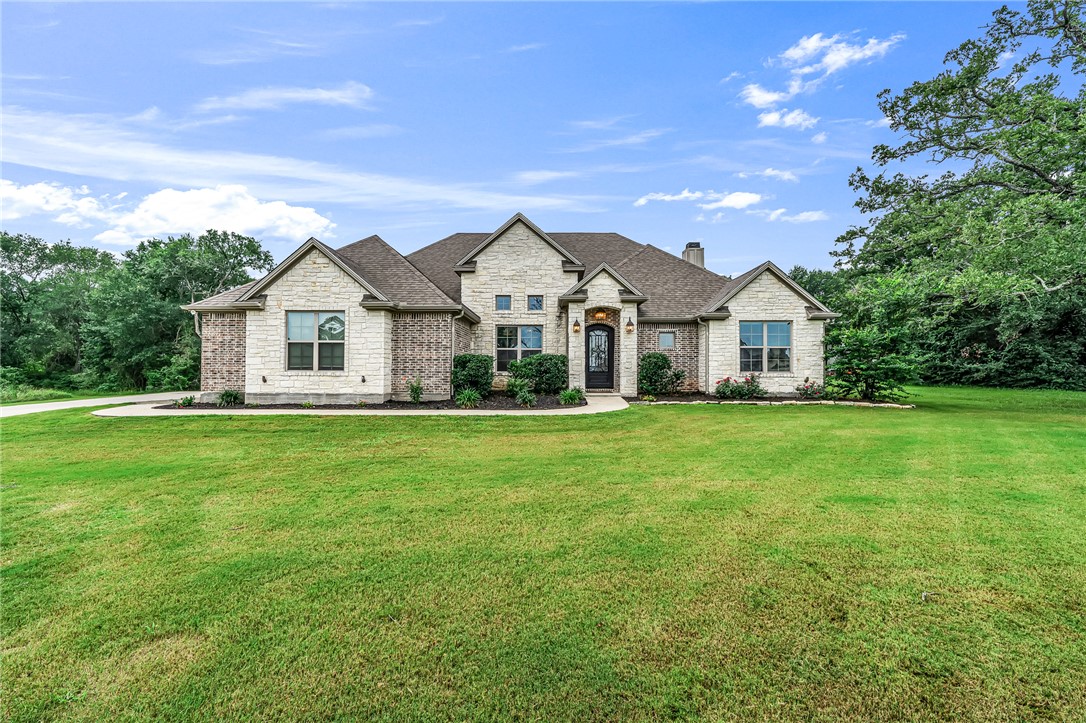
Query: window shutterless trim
519	350
764	348
660	342
316	343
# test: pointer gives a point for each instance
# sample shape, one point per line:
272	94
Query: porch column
627	366
575	347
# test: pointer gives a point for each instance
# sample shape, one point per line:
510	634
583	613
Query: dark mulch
494	401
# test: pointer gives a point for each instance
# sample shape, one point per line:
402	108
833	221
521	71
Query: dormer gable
311	246
569	261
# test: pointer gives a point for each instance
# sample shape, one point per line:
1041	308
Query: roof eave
814	314
256	304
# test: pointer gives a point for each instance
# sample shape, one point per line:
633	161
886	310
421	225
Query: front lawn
662	562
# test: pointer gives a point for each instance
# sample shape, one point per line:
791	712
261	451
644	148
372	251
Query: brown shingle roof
226	297
390	273
675	288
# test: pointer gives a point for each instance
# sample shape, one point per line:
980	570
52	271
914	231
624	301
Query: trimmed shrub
473	371
655	375
517	386
230	398
573	395
468	399
526	399
548	373
414	390
745	388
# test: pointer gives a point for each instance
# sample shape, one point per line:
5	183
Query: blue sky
732	124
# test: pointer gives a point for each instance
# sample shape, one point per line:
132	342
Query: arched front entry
599	354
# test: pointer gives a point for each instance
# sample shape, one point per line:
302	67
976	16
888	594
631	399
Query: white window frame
766	346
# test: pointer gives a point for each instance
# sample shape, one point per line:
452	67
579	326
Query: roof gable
604	268
518	218
742	281
300	253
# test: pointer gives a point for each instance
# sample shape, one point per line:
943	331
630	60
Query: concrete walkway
597	403
21	409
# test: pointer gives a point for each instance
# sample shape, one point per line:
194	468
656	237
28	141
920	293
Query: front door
599	357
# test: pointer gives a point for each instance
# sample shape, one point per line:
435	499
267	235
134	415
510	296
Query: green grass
713	562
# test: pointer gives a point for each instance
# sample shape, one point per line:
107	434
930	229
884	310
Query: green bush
655	375
548	373
867	363
573	395
468	399
184	402
414	390
812	390
745	388
526	399
230	398
307	404
517	386
473	371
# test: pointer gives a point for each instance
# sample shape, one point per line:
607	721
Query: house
363	321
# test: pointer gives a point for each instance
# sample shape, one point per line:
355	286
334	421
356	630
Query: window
667	340
535	303
503	303
765	346
518	342
315	336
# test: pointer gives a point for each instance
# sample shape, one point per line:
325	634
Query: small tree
473	371
868	363
655	375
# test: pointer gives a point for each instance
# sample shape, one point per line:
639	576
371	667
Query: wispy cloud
814	58
531	178
730	77
781	214
632	139
350	94
260	47
525	48
419	22
599	123
372	130
771	173
713	200
786	119
104	147
819	138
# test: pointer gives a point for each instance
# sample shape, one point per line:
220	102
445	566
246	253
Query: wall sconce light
629	325
576	326
264	379
599	315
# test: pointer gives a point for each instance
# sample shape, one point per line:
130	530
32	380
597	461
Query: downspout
196	323
452	347
705	352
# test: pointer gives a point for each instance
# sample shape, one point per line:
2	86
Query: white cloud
738	199
350	94
785	118
686	195
600	123
633	139
261	46
102	147
231	208
730	77
819	138
781	214
757	96
771	173
880	123
166	212
525	48
373	130
827	55
69	206
530	178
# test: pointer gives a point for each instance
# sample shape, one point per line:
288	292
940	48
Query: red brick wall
222	351
686	354
422	348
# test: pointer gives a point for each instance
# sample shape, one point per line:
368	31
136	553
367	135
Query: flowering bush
745	388
812	390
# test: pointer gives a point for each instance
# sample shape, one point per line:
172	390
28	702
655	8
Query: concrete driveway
21	409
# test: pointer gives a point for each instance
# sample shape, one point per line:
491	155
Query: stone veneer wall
603	294
767	299
518	263
315	283
422	348
685	356
222	351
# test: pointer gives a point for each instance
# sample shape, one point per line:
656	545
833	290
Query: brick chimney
695	254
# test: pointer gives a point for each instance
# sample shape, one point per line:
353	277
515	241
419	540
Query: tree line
81	318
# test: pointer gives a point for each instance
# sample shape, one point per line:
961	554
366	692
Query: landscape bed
663	562
494	401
